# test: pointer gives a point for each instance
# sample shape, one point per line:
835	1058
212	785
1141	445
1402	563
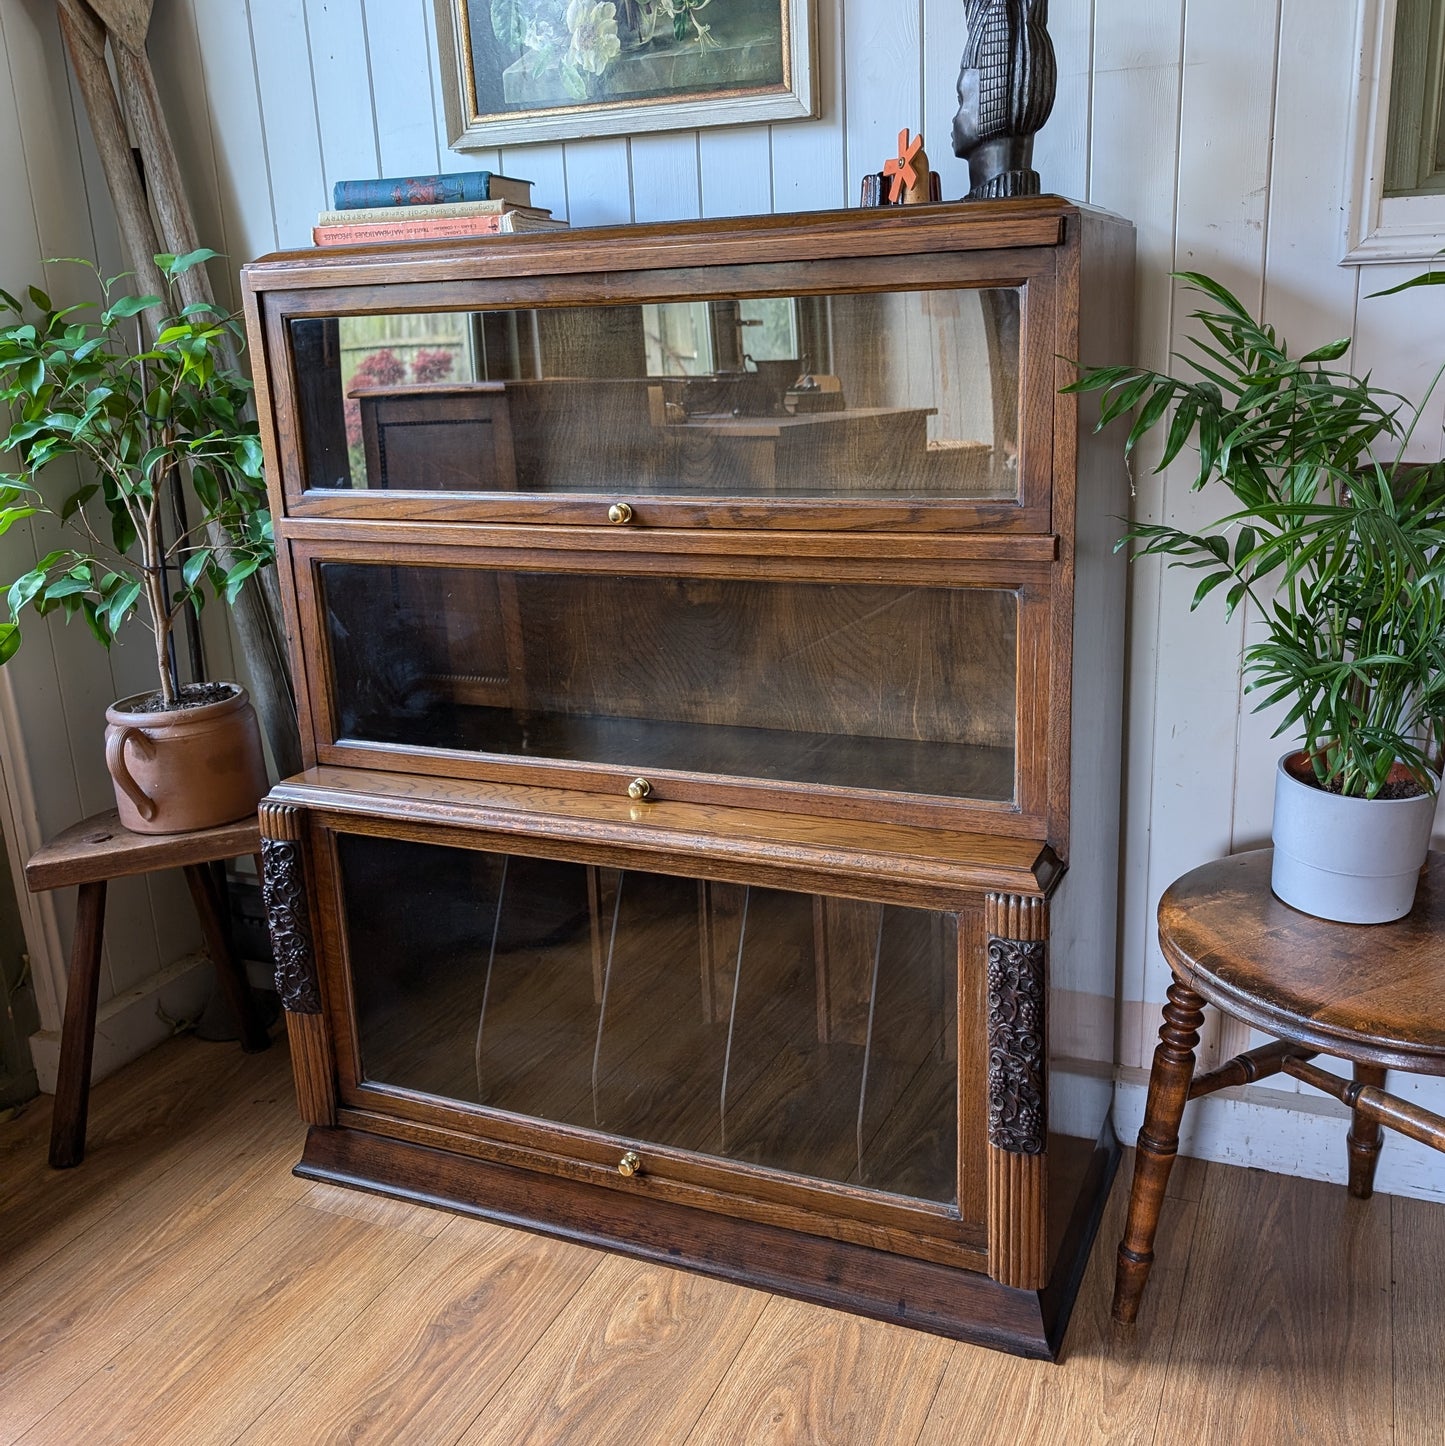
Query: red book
438	228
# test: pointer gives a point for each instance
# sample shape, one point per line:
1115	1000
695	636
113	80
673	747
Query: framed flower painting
515	71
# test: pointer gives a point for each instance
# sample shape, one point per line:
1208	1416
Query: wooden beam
84	37
129	21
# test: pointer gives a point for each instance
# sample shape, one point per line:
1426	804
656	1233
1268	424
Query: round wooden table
1373	994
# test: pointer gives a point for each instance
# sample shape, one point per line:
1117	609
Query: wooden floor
182	1286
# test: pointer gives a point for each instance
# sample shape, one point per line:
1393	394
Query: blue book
431	190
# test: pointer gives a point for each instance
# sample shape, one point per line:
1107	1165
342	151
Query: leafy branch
139	420
1342	554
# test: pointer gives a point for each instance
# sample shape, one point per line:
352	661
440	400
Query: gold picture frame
518	71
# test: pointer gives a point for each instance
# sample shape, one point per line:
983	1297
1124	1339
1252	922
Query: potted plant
138	418
1339	545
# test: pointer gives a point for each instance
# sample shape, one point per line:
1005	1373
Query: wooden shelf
641	745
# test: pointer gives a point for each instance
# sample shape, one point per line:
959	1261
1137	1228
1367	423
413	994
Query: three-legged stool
91	854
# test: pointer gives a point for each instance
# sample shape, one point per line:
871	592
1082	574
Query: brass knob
630	1164
619	512
639	789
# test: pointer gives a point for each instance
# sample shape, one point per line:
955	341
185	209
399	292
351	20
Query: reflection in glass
907	689
870	394
806	1034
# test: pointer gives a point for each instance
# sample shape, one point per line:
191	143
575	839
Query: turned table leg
1158	1145
1365	1137
77	1033
230	972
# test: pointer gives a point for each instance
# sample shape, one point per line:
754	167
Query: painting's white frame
1380	228
468	131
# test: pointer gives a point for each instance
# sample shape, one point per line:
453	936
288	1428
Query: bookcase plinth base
961	1304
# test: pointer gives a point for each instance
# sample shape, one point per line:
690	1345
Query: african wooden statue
1006	86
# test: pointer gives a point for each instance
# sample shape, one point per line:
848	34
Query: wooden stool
90	854
1368	993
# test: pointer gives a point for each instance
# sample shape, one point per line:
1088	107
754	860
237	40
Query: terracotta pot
186	768
1351	860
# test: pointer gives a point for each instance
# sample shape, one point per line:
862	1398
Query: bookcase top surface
1039	221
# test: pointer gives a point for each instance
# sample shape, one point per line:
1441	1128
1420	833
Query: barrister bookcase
708	643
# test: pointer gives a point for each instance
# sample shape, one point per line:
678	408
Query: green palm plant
1337	542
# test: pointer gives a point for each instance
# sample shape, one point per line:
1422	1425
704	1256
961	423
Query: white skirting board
1286	1133
132	1023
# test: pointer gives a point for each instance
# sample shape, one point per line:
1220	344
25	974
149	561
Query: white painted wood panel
341	83
227	72
809	157
459	160
1225	113
1220	129
735	170
1061	151
665	176
545	166
945	31
53	695
883	85
181	80
599	181
296	180
1310	300
1133	169
81	681
399	53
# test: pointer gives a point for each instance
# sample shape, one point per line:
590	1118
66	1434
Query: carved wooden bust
1006	85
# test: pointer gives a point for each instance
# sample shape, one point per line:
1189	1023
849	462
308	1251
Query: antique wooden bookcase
708	647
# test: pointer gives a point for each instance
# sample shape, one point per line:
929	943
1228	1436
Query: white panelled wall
1220	127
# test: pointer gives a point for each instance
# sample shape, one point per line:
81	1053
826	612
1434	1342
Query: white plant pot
1352	860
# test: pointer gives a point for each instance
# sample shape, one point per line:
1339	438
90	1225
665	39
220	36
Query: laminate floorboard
181	1286
1418	1250
208	1367
1288	1300
432	1358
144	1124
634	1357
811	1375
1111	1383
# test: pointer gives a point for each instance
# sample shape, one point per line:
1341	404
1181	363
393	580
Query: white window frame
1379	228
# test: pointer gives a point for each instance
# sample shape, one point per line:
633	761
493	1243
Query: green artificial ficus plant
138	417
1337	541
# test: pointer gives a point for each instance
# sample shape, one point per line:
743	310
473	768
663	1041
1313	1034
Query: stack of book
428	208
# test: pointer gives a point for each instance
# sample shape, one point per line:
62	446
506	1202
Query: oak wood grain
1364	991
374	1209
1314	1350
467	1312
99	1255
801	1377
1186	1180
779	1248
635	1356
1288	1301
849	750
99	848
1108	1384
595	250
1417	1230
371	800
289	1290
137	1128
